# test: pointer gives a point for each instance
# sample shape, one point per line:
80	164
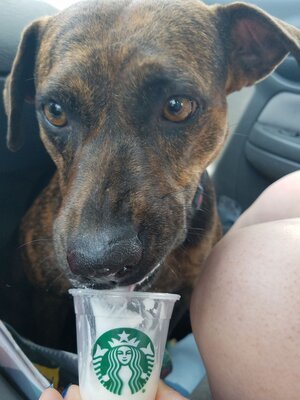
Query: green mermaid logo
123	360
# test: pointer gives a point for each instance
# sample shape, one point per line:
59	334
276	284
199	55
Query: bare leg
245	308
281	200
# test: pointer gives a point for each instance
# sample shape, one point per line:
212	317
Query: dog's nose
109	253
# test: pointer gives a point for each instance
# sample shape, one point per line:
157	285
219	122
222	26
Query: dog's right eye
55	114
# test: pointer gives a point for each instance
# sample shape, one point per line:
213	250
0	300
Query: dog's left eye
55	114
179	109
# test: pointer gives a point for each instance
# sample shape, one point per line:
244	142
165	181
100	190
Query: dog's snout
109	254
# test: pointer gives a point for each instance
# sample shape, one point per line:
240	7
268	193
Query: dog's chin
141	284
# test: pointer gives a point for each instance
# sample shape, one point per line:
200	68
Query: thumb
50	394
72	393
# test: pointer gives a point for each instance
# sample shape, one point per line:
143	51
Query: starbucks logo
123	360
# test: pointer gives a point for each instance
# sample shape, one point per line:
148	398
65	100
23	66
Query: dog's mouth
117	280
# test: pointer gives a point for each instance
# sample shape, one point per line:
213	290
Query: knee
281	200
259	261
244	306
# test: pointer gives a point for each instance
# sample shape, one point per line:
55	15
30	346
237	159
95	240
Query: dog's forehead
112	32
133	15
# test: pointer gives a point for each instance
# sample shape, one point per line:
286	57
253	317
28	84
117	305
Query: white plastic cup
121	338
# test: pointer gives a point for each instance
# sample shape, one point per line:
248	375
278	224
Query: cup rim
121	293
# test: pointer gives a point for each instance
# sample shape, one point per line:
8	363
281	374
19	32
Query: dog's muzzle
110	255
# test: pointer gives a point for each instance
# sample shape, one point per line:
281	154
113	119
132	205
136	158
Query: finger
50	394
72	393
164	392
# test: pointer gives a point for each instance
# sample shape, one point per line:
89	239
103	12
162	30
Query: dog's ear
20	85
255	43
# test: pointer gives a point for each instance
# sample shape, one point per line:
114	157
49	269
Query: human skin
163	393
245	306
279	201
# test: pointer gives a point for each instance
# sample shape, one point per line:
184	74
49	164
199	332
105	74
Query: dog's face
131	103
131	126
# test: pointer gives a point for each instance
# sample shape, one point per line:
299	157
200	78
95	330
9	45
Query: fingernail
65	391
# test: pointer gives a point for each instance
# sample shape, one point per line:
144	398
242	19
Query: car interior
263	145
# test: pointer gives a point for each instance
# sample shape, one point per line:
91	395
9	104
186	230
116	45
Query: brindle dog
130	96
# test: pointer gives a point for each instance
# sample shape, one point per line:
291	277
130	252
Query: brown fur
113	64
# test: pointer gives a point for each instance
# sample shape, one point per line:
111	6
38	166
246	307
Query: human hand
164	392
52	394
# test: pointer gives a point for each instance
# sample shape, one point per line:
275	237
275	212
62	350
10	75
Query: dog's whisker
57	278
191	229
41	262
173	270
33	242
186	191
195	234
183	249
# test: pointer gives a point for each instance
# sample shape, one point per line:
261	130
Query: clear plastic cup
121	339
